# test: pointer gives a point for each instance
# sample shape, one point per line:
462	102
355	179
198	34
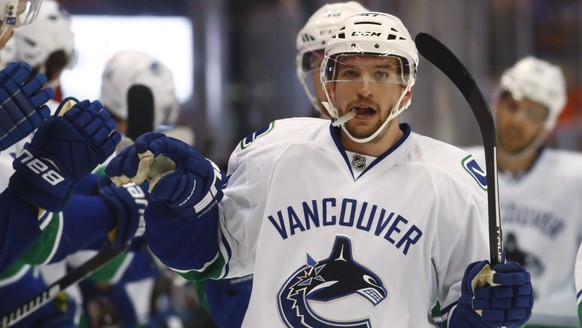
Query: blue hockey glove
22	104
182	182
494	298
129	202
62	152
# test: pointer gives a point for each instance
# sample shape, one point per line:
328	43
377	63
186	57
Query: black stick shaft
446	61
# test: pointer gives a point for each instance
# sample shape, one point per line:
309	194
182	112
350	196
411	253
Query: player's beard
514	141
511	150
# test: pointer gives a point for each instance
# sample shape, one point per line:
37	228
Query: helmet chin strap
341	121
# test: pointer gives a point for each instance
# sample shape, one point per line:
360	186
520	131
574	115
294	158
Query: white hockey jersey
327	249
541	217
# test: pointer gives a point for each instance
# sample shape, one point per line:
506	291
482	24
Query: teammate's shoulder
561	161
562	154
286	130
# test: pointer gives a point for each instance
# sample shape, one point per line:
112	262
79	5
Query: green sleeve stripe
213	271
44	247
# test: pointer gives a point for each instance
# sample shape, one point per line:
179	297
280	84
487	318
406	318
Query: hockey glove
183	183
129	202
62	152
22	104
493	298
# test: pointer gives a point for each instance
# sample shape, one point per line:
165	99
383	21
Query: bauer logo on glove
68	147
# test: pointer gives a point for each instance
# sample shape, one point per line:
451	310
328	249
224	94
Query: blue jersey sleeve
193	249
82	224
18	227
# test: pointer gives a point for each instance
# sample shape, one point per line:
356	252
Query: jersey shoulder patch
248	140
472	167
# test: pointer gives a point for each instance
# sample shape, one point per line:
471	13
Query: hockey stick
100	259
444	59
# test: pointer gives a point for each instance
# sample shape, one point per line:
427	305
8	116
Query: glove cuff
463	317
39	180
39	195
214	194
129	203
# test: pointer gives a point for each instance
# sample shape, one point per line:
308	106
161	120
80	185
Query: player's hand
62	152
129	203
499	297
182	182
22	104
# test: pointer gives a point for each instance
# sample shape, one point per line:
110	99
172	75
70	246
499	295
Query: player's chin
359	131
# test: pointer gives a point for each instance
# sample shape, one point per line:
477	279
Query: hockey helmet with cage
15	13
377	34
540	81
51	32
128	68
313	36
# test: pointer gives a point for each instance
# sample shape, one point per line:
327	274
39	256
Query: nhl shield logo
358	162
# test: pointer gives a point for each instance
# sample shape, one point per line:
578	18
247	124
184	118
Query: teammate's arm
115	216
63	150
18	227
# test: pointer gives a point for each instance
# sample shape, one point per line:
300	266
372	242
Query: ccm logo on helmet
37	166
365	33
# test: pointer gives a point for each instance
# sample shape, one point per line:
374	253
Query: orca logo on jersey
471	166
326	281
259	133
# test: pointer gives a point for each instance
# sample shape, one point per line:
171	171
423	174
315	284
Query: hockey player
19	118
228	298
356	223
138	91
541	226
47	45
23	110
74	228
310	43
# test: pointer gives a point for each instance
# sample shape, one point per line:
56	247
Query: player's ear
407	96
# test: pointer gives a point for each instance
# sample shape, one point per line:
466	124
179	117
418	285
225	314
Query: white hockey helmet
50	32
540	81
128	68
312	37
377	34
